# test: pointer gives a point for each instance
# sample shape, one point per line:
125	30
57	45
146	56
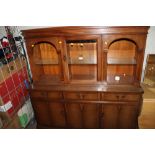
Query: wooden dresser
86	77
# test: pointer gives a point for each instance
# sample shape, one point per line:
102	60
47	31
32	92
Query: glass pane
121	60
122	51
46	62
82	59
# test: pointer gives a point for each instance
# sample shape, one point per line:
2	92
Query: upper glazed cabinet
124	58
86	54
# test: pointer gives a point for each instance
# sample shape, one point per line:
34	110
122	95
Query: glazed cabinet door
84	58
45	57
57	114
41	110
124	58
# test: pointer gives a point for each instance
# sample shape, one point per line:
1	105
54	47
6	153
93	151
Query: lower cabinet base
86	110
94	117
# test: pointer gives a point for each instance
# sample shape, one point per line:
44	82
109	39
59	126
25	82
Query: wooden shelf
113	61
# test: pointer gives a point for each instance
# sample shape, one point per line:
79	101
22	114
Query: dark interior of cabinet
82	59
121	62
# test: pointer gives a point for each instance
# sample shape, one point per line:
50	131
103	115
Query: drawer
54	95
81	95
38	94
120	97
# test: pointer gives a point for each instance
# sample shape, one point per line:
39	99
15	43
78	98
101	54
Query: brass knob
60	42
32	45
105	43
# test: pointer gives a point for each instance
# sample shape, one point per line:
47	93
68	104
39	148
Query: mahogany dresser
86	77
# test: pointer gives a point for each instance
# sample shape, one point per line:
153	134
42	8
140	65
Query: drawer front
54	95
81	96
38	94
120	97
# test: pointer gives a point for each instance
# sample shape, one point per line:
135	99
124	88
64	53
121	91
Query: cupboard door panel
57	114
41	110
90	116
109	117
128	117
74	115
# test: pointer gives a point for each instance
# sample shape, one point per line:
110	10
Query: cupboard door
41	110
57	114
74	115
90	115
128	117
109	116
